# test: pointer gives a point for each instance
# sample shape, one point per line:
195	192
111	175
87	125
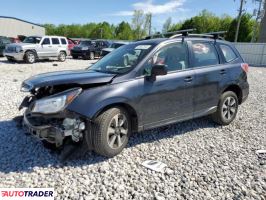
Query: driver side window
173	56
46	41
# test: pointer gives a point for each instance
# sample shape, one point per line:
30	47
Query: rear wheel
92	55
227	108
62	56
111	131
75	57
30	57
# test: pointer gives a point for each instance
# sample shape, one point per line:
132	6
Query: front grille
10	49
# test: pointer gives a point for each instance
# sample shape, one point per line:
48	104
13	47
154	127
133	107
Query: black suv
3	42
89	49
139	86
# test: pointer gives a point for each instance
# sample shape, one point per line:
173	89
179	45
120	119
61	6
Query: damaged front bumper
54	129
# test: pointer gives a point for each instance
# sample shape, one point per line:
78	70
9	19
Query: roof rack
213	35
174	33
186	33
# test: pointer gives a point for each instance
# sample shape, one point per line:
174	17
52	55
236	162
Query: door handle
188	79
222	71
49	46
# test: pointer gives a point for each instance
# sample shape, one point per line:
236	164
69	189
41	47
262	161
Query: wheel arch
131	111
236	89
63	51
32	50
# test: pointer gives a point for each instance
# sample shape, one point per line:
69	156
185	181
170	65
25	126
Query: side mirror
157	70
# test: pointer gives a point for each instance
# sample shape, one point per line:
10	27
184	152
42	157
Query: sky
115	11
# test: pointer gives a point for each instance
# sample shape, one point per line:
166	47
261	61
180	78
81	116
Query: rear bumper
245	92
14	56
78	53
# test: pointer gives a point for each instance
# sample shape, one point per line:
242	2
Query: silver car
36	48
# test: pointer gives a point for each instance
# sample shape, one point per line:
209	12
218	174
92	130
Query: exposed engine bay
55	127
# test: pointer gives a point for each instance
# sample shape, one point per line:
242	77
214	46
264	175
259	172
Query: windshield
5	40
85	43
123	59
116	45
32	40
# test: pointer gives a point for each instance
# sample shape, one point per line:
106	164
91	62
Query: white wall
253	53
12	28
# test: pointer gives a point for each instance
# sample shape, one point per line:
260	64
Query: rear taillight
245	67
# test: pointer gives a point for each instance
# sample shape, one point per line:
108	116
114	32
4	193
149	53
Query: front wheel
227	108
111	131
30	57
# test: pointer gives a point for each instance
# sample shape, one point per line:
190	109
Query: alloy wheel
31	57
117	131
62	57
229	108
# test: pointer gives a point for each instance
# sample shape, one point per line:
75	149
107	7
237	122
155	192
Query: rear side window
205	54
63	41
55	41
228	53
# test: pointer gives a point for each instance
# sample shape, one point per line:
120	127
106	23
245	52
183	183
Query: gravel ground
205	161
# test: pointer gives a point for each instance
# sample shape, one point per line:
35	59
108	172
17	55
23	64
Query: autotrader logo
27	193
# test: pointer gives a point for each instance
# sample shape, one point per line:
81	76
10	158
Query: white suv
35	47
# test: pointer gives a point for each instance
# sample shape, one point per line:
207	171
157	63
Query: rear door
170	97
209	74
55	46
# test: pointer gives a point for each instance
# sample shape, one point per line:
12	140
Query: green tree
123	31
245	29
102	30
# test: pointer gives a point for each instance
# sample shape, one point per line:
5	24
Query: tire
75	57
10	60
30	57
62	56
92	55
108	138
49	145
227	108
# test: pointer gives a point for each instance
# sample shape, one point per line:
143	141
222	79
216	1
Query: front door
45	48
169	98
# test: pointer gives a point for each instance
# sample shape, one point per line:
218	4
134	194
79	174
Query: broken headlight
56	103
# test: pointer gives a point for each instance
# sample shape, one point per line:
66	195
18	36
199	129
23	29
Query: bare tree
241	10
167	25
141	23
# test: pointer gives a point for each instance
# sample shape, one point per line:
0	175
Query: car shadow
20	152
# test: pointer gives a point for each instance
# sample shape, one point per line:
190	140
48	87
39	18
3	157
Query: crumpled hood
79	77
28	45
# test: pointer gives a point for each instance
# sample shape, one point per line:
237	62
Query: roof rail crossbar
217	35
182	33
173	33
